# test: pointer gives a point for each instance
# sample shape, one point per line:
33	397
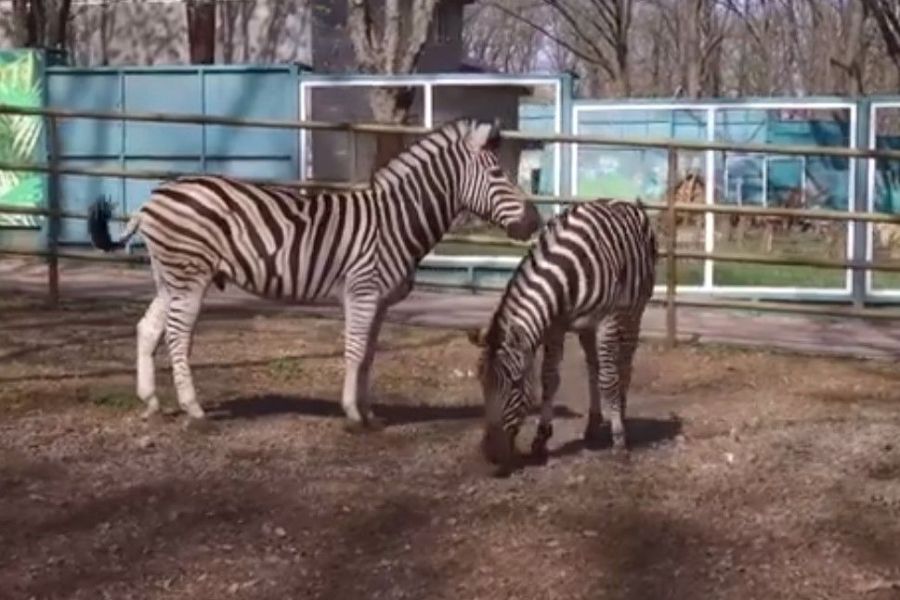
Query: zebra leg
631	325
609	350
363	317
184	308
594	429
553	353
149	331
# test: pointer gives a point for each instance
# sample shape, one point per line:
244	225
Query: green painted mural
21	77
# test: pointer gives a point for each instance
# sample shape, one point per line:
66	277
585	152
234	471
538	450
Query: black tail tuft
98	225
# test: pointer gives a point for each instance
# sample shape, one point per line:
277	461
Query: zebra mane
450	133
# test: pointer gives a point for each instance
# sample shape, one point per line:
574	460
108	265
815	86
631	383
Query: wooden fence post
53	207
671	239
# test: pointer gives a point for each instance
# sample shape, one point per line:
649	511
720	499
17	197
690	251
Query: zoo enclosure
671	147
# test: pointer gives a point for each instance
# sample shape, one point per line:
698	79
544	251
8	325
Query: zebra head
505	372
486	190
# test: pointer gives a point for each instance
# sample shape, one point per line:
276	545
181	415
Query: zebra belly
592	318
268	278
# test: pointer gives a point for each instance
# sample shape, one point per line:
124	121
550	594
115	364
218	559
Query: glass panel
781	181
616	172
886	236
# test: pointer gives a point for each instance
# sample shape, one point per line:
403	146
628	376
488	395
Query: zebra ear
478	337
493	139
479	136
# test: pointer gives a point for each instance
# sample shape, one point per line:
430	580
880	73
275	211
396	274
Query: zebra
359	247
590	271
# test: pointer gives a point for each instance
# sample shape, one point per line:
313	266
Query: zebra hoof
539	453
370	425
201	425
619	444
593	433
373	423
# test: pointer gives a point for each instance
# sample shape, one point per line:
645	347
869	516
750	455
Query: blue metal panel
87	91
263	168
79	191
161	93
252	95
137	191
260	92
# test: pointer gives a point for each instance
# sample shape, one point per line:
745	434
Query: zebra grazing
591	271
361	247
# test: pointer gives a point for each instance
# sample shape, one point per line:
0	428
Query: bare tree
41	23
494	38
388	38
201	27
594	31
886	14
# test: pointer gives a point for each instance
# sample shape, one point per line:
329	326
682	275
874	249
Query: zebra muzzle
498	446
527	225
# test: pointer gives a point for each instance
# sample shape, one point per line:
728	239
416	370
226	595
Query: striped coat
359	247
591	271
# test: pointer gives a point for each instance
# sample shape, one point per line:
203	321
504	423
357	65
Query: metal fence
670	209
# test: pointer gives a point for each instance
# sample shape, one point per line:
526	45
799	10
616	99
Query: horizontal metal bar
676	144
832	215
200	119
165	175
380	128
778	307
783	307
691	255
96	257
681	255
485	240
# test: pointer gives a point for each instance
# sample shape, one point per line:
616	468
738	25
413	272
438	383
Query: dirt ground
754	475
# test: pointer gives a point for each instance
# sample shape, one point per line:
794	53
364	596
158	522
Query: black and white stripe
360	247
590	271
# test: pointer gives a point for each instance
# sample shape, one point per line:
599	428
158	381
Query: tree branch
358	24
545	32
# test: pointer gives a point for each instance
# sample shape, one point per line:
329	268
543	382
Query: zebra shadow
399	413
642	432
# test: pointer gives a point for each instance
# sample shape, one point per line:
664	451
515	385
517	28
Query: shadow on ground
267	405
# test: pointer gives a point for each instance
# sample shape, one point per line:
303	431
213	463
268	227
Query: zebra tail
98	227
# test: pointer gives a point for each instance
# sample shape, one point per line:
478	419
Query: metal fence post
53	206
671	239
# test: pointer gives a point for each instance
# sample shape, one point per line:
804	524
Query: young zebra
360	247
591	271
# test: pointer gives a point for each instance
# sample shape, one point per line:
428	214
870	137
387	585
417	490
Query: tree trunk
23	27
201	25
390	105
59	26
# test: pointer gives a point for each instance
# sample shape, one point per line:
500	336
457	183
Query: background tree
40	23
201	30
697	48
388	39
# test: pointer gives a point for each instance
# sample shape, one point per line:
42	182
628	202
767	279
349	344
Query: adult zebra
361	247
591	271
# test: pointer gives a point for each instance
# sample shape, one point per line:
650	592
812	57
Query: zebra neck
413	223
519	330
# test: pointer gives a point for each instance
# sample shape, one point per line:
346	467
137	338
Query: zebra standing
361	247
591	271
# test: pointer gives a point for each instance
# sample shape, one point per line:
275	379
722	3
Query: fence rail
381	128
670	253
